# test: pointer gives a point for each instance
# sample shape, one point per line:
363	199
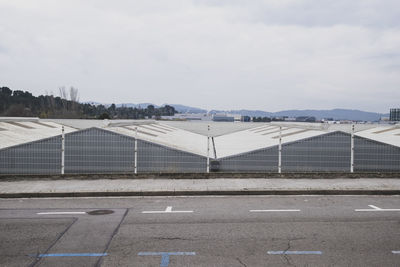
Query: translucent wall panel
157	158
328	152
263	160
374	156
39	157
98	151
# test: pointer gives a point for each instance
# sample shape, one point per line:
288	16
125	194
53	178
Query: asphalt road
201	231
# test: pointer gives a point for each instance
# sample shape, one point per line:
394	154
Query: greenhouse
34	146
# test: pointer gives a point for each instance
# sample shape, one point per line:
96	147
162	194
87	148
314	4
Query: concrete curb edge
200	193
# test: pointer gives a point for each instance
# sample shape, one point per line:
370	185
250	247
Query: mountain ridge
335	114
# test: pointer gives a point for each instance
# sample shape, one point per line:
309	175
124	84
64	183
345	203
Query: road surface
201	231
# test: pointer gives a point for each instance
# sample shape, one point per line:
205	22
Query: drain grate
100	212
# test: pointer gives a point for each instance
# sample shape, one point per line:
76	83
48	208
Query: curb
216	175
200	193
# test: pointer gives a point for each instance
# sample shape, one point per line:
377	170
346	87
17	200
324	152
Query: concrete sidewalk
218	186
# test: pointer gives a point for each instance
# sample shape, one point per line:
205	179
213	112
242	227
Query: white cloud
268	55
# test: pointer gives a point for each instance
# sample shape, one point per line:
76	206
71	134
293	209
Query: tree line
19	103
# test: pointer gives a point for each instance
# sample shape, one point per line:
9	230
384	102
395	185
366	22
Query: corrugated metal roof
165	135
19	132
15	131
384	134
216	128
250	140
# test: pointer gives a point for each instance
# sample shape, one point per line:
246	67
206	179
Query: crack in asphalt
287	257
238	259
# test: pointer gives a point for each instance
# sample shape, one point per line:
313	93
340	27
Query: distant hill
336	114
245	112
92	103
178	107
19	103
187	109
140	105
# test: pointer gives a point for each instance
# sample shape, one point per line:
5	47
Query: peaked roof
260	137
16	131
164	135
19	131
389	134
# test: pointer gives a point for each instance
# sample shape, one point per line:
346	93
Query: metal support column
352	150
135	150
208	149
280	151
62	150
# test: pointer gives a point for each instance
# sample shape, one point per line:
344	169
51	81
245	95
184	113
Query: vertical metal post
352	150
208	148
62	150
136	150
280	151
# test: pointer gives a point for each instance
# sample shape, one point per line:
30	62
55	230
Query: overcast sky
269	55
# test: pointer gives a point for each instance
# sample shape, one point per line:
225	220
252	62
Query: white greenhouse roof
234	140
164	135
389	134
260	137
19	131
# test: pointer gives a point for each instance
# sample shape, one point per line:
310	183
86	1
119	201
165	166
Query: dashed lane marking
61	213
375	208
273	210
165	256
167	210
71	255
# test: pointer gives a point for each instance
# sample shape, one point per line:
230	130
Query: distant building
218	117
188	117
290	119
245	119
305	119
385	119
394	114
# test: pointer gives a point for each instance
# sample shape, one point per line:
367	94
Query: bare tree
62	92
63	95
73	94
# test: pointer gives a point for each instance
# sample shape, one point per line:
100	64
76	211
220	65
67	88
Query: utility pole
208	149
135	150
352	150
62	150
280	151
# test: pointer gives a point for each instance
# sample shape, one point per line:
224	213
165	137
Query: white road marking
167	210
61	213
396	251
272	210
375	208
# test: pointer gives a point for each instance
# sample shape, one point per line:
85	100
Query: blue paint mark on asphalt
165	256
164	260
71	255
281	252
